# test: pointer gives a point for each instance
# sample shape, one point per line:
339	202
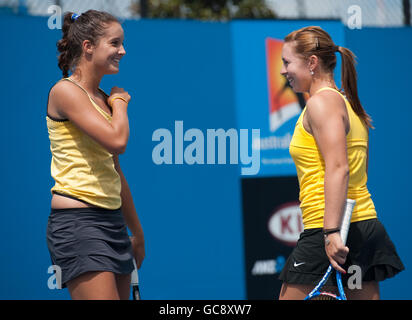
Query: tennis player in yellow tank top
88	130
330	151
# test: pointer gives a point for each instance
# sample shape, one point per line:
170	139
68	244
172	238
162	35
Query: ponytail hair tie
75	16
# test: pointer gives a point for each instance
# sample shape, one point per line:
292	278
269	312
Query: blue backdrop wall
191	214
384	68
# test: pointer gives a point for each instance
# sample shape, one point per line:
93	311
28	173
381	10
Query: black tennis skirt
370	249
88	239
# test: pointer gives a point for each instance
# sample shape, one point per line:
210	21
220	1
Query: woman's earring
311	72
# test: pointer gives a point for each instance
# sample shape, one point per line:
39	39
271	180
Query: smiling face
295	68
109	50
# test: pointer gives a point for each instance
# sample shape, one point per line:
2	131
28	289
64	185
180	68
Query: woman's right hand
118	92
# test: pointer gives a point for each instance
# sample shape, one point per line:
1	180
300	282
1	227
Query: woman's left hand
138	250
336	251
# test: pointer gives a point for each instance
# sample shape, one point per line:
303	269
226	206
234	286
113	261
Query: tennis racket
317	293
135	283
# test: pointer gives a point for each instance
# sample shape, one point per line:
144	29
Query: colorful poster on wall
283	105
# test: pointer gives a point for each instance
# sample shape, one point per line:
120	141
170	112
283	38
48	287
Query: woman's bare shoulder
325	104
63	88
65	95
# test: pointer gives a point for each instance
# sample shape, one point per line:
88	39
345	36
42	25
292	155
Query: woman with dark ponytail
330	151
91	205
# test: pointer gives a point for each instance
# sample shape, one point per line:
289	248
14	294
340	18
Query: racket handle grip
136	292
135	283
344	229
135	276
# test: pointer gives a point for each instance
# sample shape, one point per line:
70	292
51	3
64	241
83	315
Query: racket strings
325	296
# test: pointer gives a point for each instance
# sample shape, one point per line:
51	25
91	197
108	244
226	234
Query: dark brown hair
89	25
315	41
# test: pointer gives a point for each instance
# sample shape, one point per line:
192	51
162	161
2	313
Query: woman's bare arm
328	121
74	104
130	216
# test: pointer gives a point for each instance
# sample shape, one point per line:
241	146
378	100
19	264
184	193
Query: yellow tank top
310	169
80	166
